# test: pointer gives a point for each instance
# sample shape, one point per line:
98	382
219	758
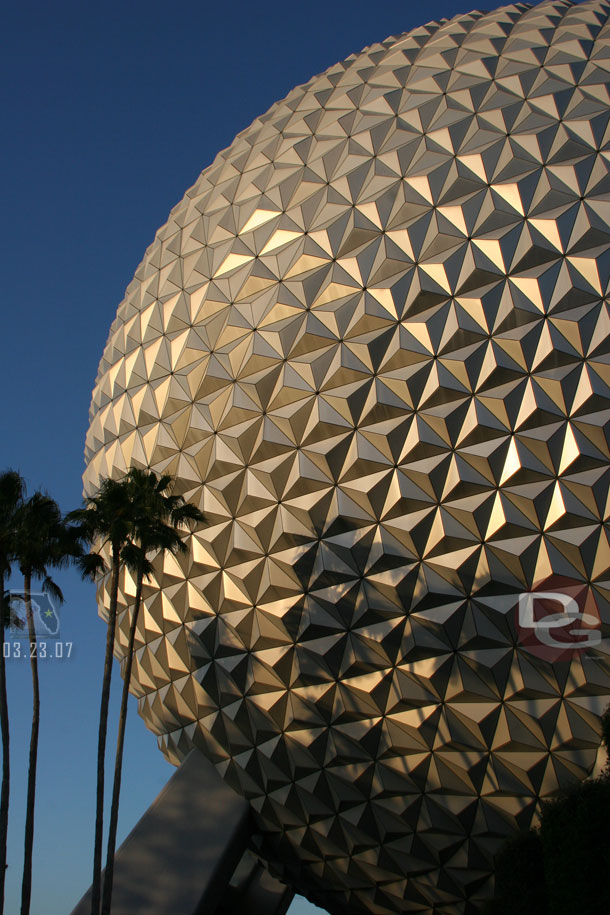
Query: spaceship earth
372	343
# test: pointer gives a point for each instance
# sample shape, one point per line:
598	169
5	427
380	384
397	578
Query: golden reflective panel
372	344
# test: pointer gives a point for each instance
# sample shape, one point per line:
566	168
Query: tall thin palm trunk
101	744
26	886
6	756
118	763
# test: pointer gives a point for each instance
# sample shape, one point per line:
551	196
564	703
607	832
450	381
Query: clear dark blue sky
109	112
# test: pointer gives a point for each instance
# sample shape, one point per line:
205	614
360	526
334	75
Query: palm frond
12	488
91	565
187	514
136	561
12	493
53	589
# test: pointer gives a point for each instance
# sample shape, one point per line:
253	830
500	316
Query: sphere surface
372	344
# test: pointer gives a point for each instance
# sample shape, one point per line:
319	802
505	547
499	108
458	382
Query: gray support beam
180	857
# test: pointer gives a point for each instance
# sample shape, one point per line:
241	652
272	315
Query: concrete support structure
188	854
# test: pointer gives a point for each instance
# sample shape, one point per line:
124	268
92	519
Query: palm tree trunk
101	743
26	886
118	764
6	756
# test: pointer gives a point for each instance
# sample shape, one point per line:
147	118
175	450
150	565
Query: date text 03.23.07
21	648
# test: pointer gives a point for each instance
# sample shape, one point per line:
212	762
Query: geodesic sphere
372	344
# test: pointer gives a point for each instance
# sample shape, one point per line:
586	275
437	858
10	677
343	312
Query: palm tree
41	540
12	489
158	531
108	519
112	518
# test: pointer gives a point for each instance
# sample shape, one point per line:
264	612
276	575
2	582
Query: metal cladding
373	344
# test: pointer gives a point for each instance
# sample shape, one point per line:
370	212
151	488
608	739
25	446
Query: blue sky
110	111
